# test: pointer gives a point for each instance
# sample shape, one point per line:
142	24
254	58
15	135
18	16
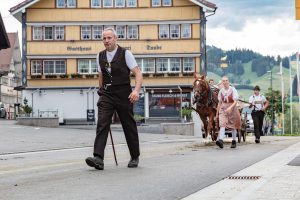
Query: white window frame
187	61
145	65
59	30
94	31
87	30
156	5
111	4
36	65
44	29
96	1
54	66
189	30
89	67
128	2
132	30
71	6
158	62
165	28
173	28
121	1
67	4
164	3
60	1
123	29
170	65
38	33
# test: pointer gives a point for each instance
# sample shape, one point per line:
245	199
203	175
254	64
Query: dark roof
7	54
207	3
20	5
4	42
201	2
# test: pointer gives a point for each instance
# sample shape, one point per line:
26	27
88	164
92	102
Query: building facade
61	39
297	5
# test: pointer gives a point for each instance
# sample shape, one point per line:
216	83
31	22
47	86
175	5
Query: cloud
234	14
281	37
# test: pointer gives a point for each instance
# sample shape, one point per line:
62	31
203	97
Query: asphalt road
45	163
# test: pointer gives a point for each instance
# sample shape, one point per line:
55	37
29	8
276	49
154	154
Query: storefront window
167	104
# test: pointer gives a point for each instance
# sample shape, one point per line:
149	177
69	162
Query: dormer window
65	3
95	3
158	3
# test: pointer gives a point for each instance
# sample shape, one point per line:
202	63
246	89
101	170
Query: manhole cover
243	177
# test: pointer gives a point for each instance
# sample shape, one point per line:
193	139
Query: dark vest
119	74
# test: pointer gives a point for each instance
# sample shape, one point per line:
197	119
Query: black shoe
133	163
220	143
96	162
257	140
233	144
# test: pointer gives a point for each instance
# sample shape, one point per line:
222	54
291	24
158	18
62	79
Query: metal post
272	122
180	102
32	103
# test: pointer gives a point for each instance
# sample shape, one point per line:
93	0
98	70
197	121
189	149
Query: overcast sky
265	26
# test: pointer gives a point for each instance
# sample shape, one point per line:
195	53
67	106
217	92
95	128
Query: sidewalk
274	178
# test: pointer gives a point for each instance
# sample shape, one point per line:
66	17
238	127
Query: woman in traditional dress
228	113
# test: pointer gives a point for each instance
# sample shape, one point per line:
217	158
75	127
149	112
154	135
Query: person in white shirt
259	104
115	65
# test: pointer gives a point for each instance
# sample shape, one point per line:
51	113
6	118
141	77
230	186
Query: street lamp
272	101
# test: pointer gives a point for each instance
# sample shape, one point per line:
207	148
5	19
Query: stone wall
178	128
38	121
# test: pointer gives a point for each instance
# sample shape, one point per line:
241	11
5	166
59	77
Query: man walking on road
115	64
259	104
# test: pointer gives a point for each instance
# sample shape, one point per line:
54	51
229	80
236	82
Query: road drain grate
243	177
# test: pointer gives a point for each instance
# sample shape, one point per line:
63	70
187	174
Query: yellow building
297	4
61	39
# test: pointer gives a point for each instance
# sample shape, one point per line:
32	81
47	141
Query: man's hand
134	96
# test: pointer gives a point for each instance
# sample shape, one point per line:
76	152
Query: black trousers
115	98
258	118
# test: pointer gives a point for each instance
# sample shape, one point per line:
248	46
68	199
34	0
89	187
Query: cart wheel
239	136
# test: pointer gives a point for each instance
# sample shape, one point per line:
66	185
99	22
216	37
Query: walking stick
113	146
